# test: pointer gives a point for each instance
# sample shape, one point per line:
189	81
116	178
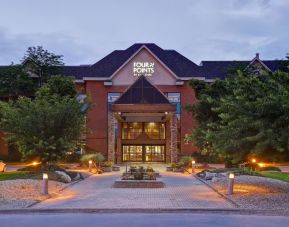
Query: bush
269	168
187	160
97	158
74	157
107	164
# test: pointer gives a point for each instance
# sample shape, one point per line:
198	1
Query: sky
84	31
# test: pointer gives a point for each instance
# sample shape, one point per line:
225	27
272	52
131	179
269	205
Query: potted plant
171	167
179	167
106	166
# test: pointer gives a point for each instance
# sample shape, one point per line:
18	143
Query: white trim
257	59
179	83
210	80
96	78
79	81
107	83
131	57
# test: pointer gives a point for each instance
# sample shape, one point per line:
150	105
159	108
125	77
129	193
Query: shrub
270	168
187	160
97	158
107	164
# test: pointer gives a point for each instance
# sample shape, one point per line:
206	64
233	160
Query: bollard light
34	163
253	160
193	166
89	165
261	165
231	183
44	190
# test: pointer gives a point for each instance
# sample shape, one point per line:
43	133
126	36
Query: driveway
182	191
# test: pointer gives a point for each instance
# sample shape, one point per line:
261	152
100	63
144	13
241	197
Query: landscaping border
221	194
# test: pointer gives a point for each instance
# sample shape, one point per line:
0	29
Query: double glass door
143	153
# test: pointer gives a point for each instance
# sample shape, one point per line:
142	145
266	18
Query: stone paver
182	191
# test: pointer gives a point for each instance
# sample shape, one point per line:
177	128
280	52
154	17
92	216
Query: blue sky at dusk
85	31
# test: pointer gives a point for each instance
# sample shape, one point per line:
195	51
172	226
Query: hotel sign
143	68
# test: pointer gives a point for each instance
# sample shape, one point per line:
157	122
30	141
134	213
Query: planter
178	170
106	169
116	168
138	184
169	168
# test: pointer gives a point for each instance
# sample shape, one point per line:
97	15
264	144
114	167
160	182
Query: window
131	130
155	130
111	97
175	98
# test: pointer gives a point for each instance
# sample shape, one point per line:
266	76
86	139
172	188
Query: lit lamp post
231	184
193	166
44	190
89	165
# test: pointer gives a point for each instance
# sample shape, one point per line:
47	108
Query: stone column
173	125
112	122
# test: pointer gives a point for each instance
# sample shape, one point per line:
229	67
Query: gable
142	92
144	63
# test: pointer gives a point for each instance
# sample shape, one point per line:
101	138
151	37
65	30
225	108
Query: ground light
193	166
44	190
231	183
89	165
253	160
261	165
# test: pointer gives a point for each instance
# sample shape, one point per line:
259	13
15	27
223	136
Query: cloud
199	29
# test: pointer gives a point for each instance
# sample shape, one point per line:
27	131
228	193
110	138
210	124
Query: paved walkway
182	191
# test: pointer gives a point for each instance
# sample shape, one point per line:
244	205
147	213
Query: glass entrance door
154	153
132	153
143	153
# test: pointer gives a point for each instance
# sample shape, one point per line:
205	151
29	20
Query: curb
222	195
149	211
51	195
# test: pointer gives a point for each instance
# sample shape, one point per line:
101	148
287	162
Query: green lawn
14	175
276	175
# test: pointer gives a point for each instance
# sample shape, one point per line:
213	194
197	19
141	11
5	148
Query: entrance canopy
142	101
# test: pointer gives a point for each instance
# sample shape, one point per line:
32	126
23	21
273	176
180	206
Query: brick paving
182	191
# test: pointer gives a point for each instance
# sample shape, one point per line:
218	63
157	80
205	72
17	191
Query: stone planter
138	184
178	170
116	168
169	168
106	169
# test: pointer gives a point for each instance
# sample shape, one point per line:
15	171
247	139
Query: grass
14	175
276	175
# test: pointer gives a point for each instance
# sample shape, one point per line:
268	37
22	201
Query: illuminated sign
143	68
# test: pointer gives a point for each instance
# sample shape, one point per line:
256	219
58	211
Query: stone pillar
112	122
174	135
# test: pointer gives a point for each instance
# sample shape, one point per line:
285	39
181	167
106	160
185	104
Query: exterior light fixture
34	163
44	190
253	160
119	113
166	113
261	165
89	165
193	166
231	183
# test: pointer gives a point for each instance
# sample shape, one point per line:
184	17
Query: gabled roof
142	92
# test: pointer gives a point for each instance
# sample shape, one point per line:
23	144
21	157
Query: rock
64	176
215	179
209	175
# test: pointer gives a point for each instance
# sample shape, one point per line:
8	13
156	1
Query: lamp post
193	166
44	189
89	165
231	184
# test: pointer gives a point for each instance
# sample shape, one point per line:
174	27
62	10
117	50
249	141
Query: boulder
63	176
209	175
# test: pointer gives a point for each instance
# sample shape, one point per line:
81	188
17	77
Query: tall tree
243	115
47	127
42	63
14	82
